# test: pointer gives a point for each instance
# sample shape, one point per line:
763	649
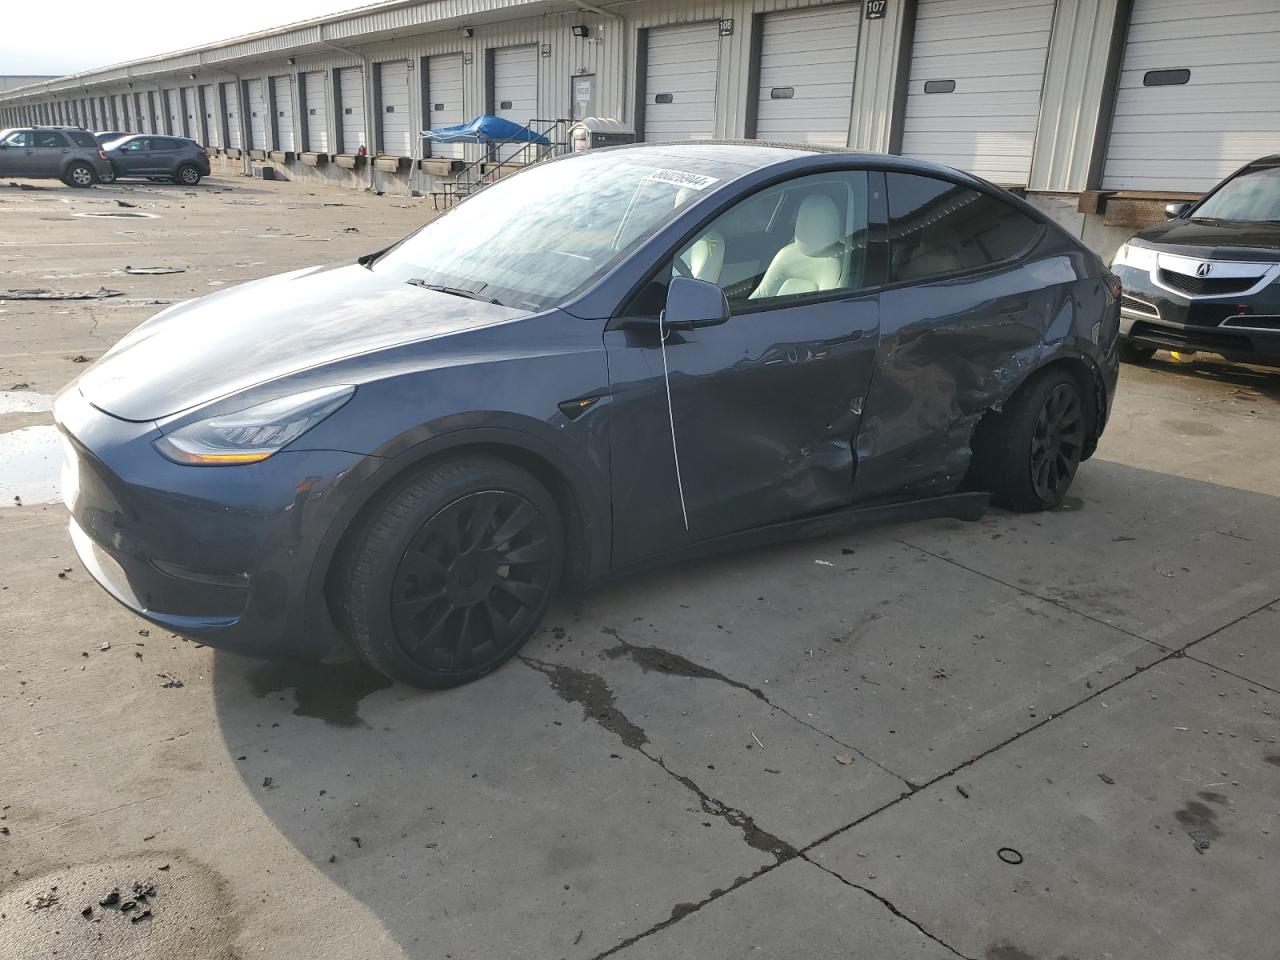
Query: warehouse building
1100	111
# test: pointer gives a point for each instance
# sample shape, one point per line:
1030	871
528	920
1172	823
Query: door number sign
875	9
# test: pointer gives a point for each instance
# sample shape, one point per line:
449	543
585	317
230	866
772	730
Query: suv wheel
109	176
81	175
1027	454
452	573
189	175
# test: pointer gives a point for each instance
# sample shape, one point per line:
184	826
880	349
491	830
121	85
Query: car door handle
853	337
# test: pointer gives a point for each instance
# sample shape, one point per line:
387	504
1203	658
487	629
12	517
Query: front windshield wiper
452	291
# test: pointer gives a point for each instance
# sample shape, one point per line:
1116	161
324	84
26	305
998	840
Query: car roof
757	154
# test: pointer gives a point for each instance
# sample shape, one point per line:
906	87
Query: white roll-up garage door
351	100
257	107
1199	94
444	96
317	111
282	103
681	72
807	59
977	73
231	99
209	110
515	87
393	88
190	114
173	114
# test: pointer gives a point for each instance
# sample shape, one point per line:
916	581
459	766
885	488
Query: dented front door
764	410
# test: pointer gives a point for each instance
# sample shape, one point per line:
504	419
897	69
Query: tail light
203	152
102	154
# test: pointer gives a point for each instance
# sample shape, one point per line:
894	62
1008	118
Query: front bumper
1238	327
222	555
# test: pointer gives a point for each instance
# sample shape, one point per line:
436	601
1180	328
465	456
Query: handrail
483	172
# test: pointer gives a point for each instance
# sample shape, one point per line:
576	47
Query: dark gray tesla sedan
605	361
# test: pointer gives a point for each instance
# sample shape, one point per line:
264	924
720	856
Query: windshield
531	240
1254	195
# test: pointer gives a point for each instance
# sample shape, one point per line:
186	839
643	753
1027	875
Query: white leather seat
704	257
813	262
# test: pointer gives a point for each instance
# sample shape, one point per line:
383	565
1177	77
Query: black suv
72	154
1205	280
156	157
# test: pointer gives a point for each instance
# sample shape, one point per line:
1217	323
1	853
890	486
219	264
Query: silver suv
72	154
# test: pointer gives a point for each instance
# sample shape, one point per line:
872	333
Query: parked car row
80	158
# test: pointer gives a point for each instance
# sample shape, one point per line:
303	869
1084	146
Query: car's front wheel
452	573
81	175
1027	454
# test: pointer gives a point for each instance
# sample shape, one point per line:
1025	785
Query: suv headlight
253	434
1141	258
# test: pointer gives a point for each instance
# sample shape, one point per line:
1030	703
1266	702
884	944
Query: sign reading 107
875	9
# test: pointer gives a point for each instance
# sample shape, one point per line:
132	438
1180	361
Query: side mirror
694	303
1174	210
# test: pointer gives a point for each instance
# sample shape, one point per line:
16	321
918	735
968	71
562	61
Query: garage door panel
682	64
812	55
1187	137
995	51
515	81
256	105
351	111
282	93
317	116
394	114
445	89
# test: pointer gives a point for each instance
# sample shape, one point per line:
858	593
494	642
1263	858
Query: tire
426	592
1027	454
188	175
80	175
1132	353
109	176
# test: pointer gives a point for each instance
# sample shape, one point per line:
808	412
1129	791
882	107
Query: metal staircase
503	158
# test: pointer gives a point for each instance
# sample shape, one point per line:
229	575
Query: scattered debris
21	386
138	918
268	782
824	563
163	867
106	645
350	229
87	913
845	759
125	203
1009	856
1106	779
962	791
356	841
111	899
81	358
167	680
153	271
41	293
44	901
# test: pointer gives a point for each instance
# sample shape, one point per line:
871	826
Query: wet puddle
24	401
30	464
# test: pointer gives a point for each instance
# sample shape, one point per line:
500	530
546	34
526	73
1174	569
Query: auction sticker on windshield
694	181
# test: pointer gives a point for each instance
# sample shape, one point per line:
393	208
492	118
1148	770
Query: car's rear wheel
1027	454
1132	353
188	175
452	573
81	175
109	176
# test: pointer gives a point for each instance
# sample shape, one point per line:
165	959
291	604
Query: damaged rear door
762	410
965	312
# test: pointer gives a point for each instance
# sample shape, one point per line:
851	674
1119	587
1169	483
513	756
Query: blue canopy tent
486	129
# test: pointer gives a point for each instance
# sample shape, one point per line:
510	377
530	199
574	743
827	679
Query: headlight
252	435
1140	258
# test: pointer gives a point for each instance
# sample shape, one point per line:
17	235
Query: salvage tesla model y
605	361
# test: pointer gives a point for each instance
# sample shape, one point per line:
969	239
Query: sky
73	35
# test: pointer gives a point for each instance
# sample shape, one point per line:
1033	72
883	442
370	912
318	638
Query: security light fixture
291	61
581	30
468	32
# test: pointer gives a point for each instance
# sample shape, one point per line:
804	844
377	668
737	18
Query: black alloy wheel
471	581
452	572
1057	443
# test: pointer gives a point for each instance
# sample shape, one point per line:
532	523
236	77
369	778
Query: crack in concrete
1232	673
597	700
889	905
658	660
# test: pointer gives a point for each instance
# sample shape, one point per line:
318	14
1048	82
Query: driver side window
795	240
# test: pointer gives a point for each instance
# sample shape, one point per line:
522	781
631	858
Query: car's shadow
578	795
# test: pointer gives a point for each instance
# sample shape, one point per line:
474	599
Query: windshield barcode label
678	178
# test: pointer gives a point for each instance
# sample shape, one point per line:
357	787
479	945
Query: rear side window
49	138
164	143
83	139
937	227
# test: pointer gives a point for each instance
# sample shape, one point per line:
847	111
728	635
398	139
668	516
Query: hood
1215	239
229	341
